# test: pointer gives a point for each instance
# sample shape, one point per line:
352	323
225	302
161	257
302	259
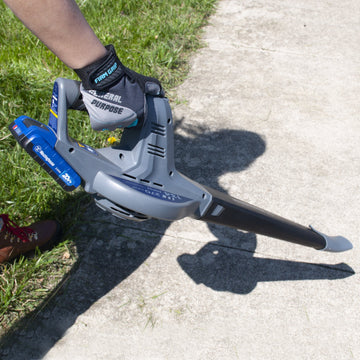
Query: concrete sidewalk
270	115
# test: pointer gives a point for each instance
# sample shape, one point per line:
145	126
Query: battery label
40	152
56	163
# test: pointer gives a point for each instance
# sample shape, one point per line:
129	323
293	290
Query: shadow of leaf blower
136	179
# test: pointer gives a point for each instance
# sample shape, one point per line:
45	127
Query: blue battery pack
39	141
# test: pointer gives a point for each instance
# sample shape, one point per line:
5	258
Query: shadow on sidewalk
224	267
108	255
228	264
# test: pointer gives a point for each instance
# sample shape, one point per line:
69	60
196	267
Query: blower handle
66	95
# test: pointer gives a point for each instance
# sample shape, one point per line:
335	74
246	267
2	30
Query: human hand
114	95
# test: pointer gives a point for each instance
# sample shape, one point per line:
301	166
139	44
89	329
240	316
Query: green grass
154	38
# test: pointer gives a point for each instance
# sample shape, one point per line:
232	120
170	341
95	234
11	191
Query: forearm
60	25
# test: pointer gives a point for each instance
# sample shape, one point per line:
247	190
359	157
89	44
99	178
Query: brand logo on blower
41	152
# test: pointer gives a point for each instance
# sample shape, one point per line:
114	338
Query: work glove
114	95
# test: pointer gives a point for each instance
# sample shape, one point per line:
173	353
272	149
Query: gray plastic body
137	174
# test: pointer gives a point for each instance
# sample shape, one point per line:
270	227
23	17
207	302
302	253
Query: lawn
154	38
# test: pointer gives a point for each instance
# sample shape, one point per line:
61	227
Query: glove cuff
103	73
